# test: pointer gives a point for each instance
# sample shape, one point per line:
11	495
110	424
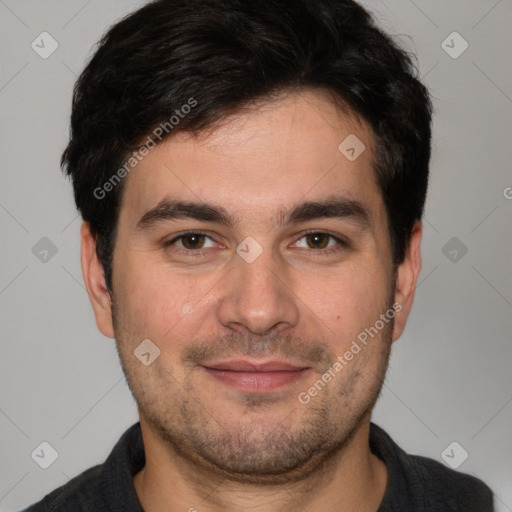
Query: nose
258	296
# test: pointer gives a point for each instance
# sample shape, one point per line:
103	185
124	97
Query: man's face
274	285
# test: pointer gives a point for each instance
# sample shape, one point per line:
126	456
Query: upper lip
243	365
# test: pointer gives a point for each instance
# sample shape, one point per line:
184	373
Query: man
252	177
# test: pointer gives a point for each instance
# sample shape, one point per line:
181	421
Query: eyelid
342	243
178	236
338	237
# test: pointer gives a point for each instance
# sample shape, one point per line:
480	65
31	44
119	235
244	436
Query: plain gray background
450	377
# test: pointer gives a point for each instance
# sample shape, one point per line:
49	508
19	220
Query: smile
253	377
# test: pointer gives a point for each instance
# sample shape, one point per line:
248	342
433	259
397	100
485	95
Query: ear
94	278
407	276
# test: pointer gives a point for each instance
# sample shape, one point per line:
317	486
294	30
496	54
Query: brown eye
320	243
193	241
318	240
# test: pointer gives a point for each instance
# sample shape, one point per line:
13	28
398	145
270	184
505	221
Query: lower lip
256	381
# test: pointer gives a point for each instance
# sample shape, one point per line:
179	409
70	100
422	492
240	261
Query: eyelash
342	244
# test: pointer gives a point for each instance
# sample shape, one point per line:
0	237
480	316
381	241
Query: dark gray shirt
415	484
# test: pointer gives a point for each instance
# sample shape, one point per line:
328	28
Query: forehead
261	160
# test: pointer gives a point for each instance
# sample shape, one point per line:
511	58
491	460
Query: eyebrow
170	209
332	207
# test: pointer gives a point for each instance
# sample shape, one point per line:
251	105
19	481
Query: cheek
163	305
346	301
146	299
156	307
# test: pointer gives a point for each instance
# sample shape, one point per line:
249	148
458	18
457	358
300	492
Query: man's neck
353	479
